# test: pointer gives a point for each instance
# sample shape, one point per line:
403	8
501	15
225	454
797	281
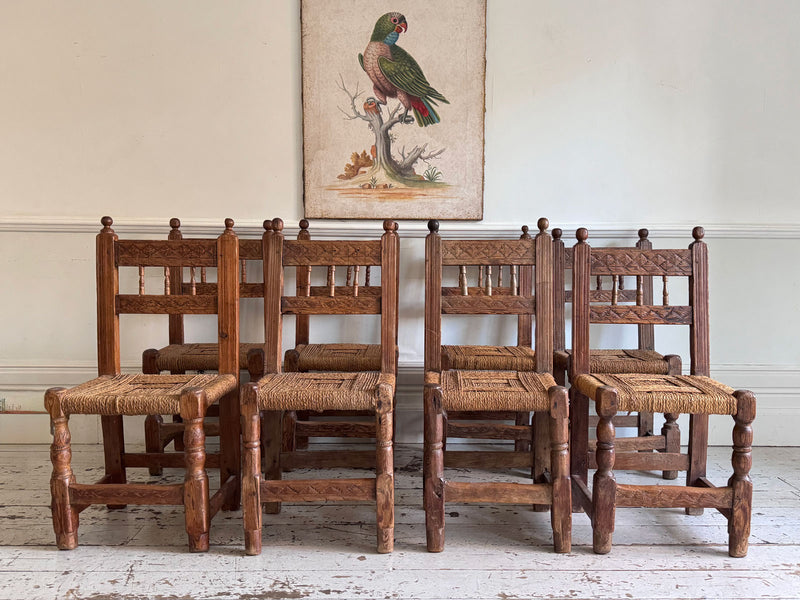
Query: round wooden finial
433	226
582	234
267	225
304	224
643	233
525	230
557	233
107	222
175	223
698	233
229	223
542	224
389	225
277	224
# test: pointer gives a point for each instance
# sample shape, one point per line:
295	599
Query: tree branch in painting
381	168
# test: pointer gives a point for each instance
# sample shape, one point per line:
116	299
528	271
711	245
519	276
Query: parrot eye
394	20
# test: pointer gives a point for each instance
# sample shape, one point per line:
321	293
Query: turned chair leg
740	483
434	469
672	439
561	510
271	435
698	453
384	482
152	439
605	485
195	486
65	517
251	470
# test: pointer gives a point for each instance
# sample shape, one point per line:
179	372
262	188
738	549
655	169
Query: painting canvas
393	108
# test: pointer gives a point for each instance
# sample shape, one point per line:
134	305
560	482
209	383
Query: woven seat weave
686	394
141	394
321	391
488	358
495	390
339	357
197	357
647	362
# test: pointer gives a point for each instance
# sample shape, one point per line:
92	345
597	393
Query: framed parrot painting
393	108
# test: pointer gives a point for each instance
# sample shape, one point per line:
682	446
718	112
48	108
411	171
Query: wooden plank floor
328	551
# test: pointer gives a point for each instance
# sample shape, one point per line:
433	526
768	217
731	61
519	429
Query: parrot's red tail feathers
419	105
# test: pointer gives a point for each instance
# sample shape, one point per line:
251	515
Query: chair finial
267	225
643	233
277	224
389	225
107	222
698	233
304	224
525	229
542	224
582	234
433	226
175	223
557	233
228	224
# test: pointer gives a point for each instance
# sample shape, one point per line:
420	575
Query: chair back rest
359	286
562	257
527	293
198	284
612	307
177	297
331	299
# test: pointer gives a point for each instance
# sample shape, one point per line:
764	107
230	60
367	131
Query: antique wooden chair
516	391
179	357
278	392
113	394
696	394
492	425
643	359
307	357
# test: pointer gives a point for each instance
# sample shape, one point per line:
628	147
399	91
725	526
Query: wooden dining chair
475	425
179	357
307	357
696	394
529	292
278	392
113	395
642	359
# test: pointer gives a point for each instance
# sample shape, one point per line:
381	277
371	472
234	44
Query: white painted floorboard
328	551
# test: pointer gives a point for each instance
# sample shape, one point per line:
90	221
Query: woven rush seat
687	394
479	358
619	361
338	357
495	390
321	391
197	357
141	394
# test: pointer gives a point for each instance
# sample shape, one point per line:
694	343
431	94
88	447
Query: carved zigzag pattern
316	252
641	314
167	252
488	252
631	261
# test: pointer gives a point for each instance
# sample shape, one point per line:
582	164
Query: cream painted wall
609	115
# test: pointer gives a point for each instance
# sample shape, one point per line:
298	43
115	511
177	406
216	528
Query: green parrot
395	73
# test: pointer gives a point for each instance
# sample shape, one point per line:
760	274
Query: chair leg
301	443
742	460
65	517
698	453
113	449
251	470
578	441
522	418
195	486
152	439
561	511
541	452
434	469
384	483
605	486
272	438
229	447
178	441
672	440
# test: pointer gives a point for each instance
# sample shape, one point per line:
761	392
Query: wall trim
412	229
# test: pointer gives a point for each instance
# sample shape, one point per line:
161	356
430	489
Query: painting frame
372	149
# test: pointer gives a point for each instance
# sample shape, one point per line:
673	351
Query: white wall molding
412	229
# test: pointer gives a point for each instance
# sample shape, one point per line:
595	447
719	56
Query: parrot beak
401	27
